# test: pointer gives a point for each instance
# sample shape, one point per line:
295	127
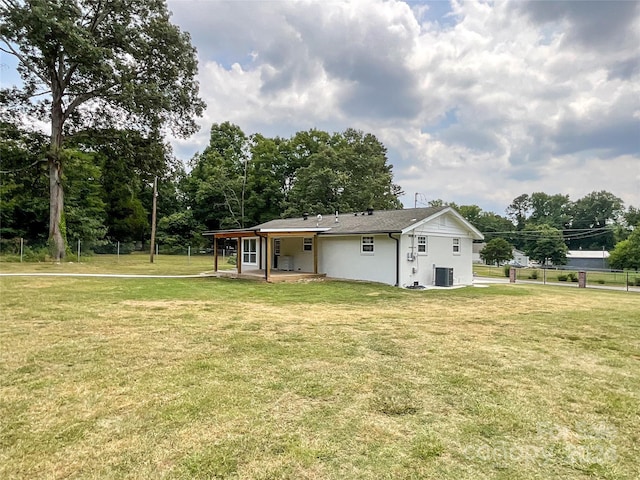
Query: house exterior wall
440	233
341	257
439	254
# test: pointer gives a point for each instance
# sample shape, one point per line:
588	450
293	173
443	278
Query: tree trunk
56	195
56	204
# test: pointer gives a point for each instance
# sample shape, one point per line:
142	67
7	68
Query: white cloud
477	104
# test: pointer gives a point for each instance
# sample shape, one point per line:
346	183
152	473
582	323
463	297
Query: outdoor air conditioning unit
285	262
444	277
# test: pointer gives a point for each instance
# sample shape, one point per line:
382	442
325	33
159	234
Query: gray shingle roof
381	221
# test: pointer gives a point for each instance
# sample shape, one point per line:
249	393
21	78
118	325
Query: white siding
341	257
440	233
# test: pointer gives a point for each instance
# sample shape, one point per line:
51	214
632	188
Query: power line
540	232
580	233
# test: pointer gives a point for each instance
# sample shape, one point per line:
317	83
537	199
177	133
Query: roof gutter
397	259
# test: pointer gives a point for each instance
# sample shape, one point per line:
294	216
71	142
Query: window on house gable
422	244
249	251
367	245
456	245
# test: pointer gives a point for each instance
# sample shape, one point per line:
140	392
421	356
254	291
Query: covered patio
267	254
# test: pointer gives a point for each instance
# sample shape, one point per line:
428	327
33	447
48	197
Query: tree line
241	180
546	226
238	180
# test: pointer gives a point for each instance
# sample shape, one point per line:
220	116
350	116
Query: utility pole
153	218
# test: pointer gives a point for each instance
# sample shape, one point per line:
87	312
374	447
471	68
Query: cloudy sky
477	102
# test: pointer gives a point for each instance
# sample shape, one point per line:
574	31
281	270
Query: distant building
476	249
587	259
519	258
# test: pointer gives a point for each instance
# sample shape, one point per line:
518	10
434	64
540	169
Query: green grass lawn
211	378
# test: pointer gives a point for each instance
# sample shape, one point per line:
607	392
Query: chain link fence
30	250
564	276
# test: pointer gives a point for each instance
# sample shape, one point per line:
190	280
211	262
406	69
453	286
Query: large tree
346	172
544	243
497	250
267	179
595	214
626	254
486	222
102	63
519	209
216	186
552	210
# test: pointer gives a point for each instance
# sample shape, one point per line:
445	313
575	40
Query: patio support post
267	270
315	254
215	254
239	257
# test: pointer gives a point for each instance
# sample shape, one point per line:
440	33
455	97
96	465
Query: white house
410	247
519	258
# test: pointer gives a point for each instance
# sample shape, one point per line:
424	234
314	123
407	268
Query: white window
249	251
307	244
456	246
422	244
367	245
276	246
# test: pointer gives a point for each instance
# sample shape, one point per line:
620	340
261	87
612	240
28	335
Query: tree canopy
98	63
241	180
626	253
497	250
545	244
